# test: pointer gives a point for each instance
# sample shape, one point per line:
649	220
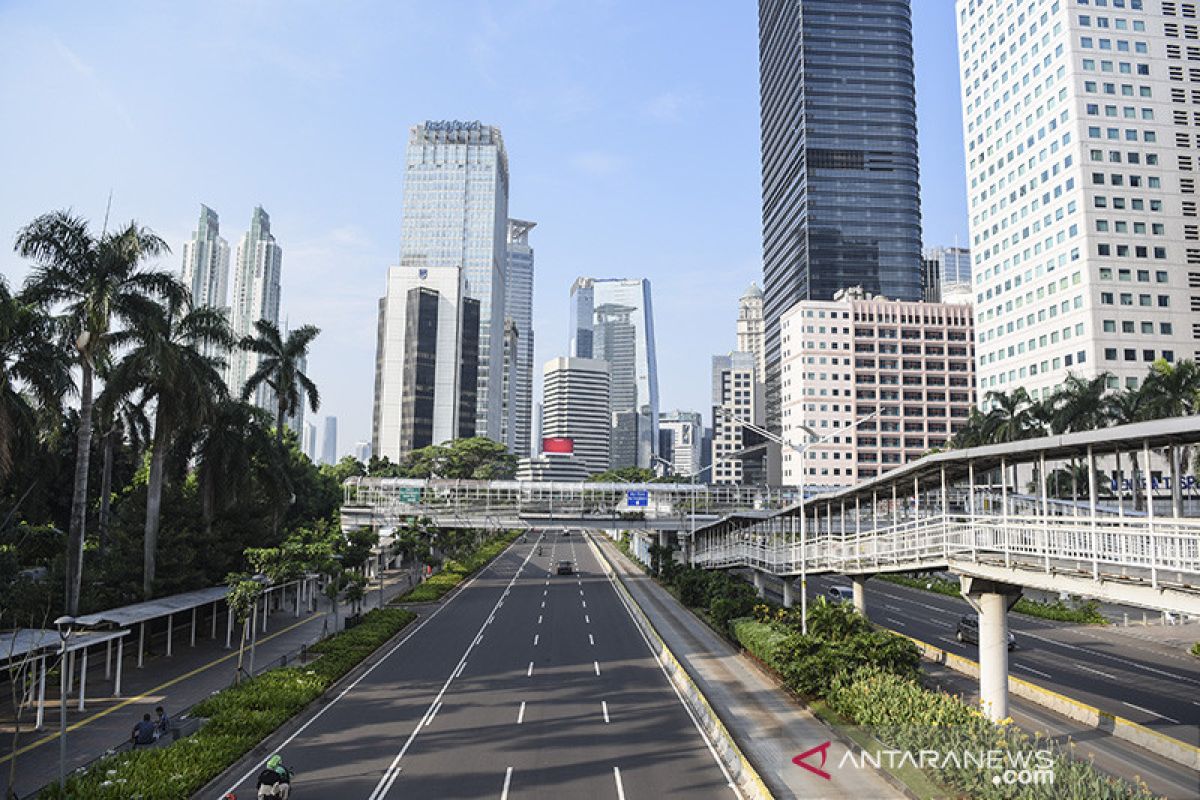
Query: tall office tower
362	451
750	327
1077	126
206	263
536	440
612	319
738	453
683	432
456	215
518	306
856	355
575	406
426	362
508	416
255	297
840	196
329	441
946	270
309	447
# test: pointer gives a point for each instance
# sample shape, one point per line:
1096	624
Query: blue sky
631	127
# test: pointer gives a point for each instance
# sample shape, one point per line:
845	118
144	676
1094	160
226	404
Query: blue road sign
637	497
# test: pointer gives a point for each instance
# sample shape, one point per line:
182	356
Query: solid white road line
1154	713
257	768
432	714
596	664
521	713
507	780
529	672
604	708
1034	671
1108	675
460	669
393	770
620	788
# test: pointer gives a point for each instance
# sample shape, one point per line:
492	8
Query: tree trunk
154	502
106	489
1176	483
206	503
83	452
279	416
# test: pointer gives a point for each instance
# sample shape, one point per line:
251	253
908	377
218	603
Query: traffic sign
409	494
637	497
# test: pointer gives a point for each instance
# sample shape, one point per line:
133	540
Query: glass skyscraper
518	306
456	215
612	320
839	156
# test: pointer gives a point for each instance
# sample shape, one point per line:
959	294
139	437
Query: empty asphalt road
526	684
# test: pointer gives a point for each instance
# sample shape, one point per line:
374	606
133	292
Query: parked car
968	631
566	568
840	594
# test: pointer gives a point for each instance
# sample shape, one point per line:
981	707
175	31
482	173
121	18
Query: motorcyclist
275	780
539	550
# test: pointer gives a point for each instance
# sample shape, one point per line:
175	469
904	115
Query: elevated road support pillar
992	600
789	599
758	582
859	587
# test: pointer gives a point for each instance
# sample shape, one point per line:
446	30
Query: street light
801	450
64	625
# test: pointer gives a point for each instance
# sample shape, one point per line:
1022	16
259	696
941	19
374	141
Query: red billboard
558	444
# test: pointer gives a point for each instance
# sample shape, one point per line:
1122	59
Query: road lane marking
587	619
529	672
596	664
393	771
1124	662
545	592
896	622
539	619
432	714
1152	713
1034	671
1095	671
592	642
604	708
445	604
620	788
581	592
535	639
584	603
521	713
543	604
507	780
460	669
479	638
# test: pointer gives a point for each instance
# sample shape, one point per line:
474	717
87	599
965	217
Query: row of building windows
1119	45
1130	354
1143	300
1142	275
1130	326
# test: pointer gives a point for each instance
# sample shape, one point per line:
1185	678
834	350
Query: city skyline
336	215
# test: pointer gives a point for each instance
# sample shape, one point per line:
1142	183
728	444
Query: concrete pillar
859	587
788	599
758	583
992	600
664	538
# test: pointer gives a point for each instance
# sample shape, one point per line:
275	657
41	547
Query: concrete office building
552	467
856	355
205	270
946	271
840	195
456	216
427	361
681	441
1077	122
518	306
329	441
255	296
613	320
737	391
309	446
751	336
508	416
575	406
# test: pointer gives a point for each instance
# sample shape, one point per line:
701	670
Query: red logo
823	749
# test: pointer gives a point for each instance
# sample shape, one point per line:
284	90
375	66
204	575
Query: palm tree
1123	408
279	368
33	374
1173	391
169	360
1079	406
234	443
1008	418
93	281
120	415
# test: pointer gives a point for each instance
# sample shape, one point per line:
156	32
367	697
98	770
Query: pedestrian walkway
769	726
177	682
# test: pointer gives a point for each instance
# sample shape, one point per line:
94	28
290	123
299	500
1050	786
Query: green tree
242	599
476	458
623	475
121	415
168	360
235	455
1124	408
91	281
279	368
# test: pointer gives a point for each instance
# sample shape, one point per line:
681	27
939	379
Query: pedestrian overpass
1125	541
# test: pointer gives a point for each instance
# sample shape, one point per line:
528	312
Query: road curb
1160	744
749	782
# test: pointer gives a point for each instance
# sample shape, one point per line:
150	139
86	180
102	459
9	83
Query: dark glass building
839	156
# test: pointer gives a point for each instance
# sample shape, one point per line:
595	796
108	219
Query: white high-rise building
309	447
206	263
456	215
426	362
362	451
575	406
329	441
681	441
518	307
737	398
750	330
1078	124
255	297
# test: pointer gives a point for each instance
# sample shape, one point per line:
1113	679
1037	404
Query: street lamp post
64	626
801	450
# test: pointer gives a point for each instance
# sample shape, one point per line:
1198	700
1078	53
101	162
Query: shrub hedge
455	571
238	718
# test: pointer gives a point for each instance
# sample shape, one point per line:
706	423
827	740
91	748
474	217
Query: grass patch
455	571
238	719
1195	650
1087	612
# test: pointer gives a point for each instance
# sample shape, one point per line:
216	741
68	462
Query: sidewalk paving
176	683
769	726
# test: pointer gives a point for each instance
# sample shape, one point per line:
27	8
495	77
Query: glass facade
456	215
518	306
839	155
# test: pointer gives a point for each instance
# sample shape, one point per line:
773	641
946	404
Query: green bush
1195	650
238	718
455	571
